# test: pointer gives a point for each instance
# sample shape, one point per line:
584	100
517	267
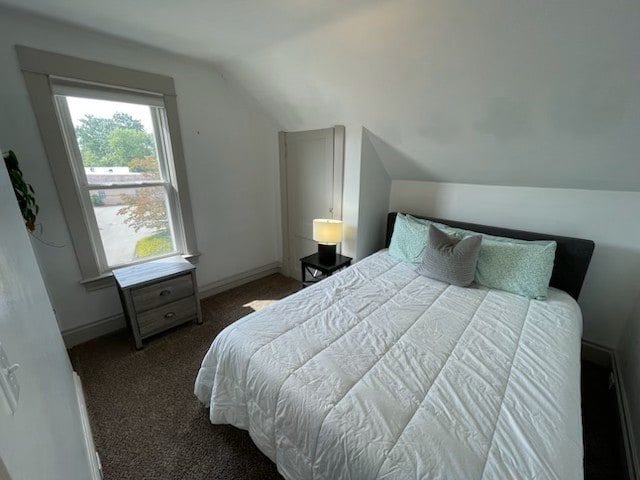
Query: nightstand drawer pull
158	319
164	293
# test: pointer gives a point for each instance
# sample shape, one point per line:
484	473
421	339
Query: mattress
380	373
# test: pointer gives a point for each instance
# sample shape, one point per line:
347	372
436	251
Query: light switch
9	381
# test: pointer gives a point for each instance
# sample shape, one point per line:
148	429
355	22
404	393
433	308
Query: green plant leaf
22	190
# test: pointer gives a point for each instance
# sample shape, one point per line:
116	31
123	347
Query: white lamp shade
327	231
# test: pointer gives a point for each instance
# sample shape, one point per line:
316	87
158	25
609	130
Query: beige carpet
146	421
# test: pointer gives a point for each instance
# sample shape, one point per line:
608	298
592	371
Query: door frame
289	265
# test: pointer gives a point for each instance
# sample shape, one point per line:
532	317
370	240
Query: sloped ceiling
509	92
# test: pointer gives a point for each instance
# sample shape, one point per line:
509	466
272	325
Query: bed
380	373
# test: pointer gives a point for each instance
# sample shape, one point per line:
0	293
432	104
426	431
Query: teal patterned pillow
409	239
516	266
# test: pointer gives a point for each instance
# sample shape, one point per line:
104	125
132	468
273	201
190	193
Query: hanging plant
23	191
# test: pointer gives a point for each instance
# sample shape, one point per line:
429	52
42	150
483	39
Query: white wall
230	147
44	438
610	219
628	356
375	187
535	93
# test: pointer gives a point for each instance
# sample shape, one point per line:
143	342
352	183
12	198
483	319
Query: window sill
106	279
98	283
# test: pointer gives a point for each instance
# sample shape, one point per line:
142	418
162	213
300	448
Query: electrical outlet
9	381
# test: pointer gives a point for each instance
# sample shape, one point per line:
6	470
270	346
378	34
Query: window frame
167	179
43	72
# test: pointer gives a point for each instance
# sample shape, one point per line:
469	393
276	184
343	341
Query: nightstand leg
303	275
197	295
127	303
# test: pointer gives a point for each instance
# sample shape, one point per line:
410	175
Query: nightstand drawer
162	293
158	319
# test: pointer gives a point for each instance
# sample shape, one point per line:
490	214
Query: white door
312	164
44	437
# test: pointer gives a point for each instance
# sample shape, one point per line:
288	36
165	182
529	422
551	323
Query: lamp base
327	253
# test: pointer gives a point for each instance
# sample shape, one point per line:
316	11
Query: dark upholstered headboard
572	254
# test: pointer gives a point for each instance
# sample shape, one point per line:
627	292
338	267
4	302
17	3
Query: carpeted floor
148	425
146	422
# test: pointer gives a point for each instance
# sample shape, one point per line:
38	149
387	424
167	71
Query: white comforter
380	373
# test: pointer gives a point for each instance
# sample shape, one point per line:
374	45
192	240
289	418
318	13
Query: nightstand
158	295
318	270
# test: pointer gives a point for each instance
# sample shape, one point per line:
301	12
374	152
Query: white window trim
41	69
165	161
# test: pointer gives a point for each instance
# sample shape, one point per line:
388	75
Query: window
120	151
116	156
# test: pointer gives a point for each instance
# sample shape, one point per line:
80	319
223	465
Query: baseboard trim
92	454
623	406
608	357
83	333
233	281
598	354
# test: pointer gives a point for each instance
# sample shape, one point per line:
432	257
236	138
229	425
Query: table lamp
327	233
